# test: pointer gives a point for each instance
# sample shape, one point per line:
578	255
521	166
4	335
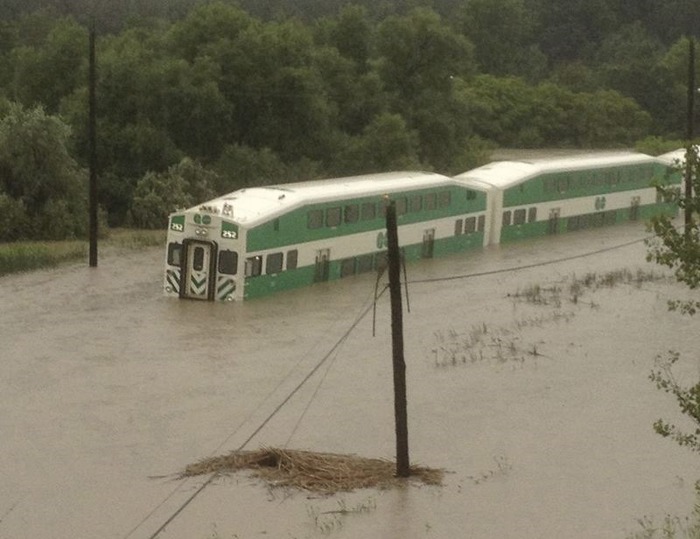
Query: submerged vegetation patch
575	286
33	255
484	342
318	472
25	256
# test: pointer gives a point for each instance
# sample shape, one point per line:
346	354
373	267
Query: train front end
202	254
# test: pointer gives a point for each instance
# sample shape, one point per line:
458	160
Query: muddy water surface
540	411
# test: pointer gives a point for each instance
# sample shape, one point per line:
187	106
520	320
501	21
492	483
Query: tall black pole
92	135
690	163
403	467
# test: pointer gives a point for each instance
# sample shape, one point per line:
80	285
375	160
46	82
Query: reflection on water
104	383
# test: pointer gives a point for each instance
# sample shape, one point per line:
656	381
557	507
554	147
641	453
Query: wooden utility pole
690	163
92	136
403	467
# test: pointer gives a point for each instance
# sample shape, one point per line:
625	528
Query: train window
471	195
273	263
532	215
253	266
563	184
276	225
314	219
444	198
469	225
347	267
430	201
352	213
333	216
458	227
198	259
228	262
174	254
368	211
506	218
519	216
292	259
365	263
400	205
414	203
482	223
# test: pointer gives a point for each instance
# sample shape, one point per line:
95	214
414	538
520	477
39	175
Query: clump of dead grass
317	472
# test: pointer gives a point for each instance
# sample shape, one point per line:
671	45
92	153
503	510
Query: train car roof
674	158
257	204
504	174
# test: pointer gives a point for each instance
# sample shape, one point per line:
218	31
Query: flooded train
260	240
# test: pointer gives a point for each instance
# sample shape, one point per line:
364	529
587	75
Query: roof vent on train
209	209
227	210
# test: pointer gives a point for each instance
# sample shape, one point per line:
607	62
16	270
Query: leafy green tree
351	33
14	222
510	112
46	72
688	399
679	249
675	64
502	32
629	61
41	185
608	119
386	144
242	166
419	52
159	194
420	59
206	26
571	30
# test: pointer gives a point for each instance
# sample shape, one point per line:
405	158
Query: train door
198	275
634	209
323	264
428	248
553	223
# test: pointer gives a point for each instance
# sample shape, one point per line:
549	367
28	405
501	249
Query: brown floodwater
538	406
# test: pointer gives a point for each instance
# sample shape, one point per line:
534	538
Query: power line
214	475
526	266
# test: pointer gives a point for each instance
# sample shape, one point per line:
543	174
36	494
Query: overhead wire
525	266
364	311
225	441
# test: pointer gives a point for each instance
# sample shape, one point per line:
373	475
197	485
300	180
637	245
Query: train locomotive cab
202	261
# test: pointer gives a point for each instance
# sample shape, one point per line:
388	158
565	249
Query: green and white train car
549	196
256	241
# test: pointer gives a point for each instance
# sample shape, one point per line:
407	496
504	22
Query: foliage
25	256
42	189
159	194
679	248
654	145
322	88
671	527
688	399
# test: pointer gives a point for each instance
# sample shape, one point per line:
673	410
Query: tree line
214	96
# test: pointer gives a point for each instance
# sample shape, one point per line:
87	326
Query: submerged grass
25	256
579	285
32	255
